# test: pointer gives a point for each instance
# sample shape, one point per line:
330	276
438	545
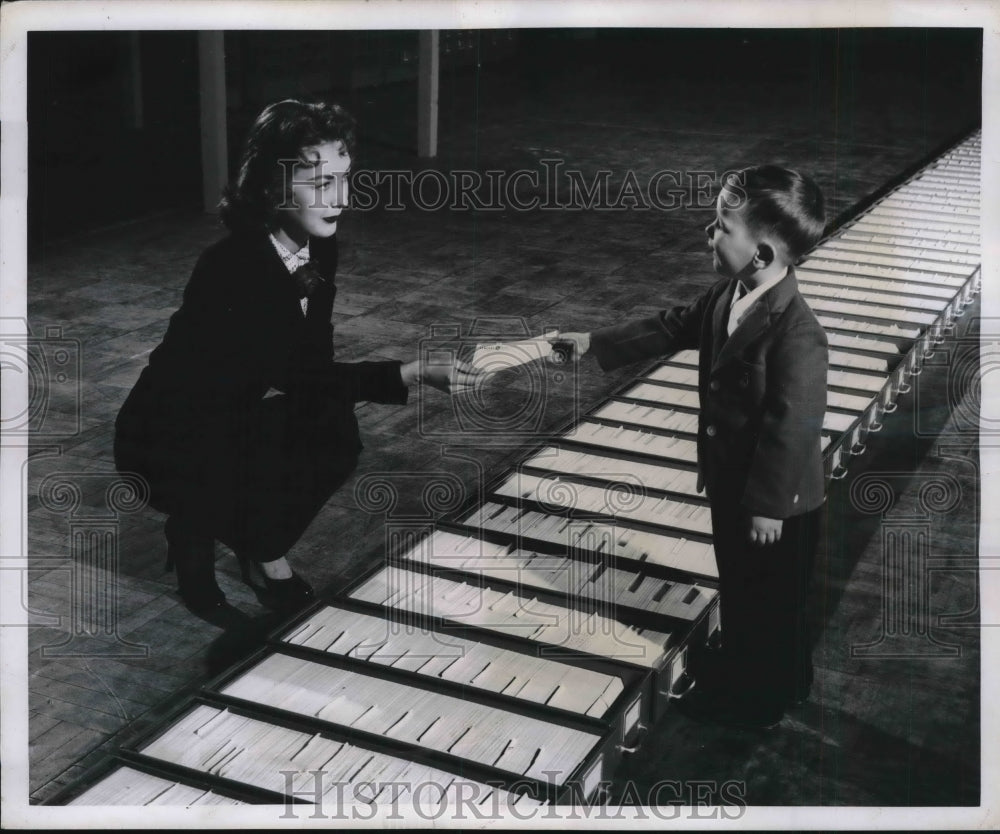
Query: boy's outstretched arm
646	338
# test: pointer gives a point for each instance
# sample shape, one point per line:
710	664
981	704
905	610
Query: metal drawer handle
638	742
673	693
602	795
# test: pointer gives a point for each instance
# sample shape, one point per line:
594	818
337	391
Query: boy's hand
764	531
579	341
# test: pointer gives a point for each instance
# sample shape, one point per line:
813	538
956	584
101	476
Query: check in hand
494	357
567	347
462	378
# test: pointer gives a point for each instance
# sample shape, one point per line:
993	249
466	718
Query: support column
133	82
212	96
429	71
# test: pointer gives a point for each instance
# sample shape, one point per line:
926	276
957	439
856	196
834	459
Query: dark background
96	159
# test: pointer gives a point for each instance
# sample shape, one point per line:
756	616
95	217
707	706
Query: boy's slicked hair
780	202
278	137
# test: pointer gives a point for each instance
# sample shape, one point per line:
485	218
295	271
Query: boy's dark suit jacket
762	392
205	424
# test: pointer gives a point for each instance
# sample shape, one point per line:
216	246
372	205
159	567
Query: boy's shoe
731	710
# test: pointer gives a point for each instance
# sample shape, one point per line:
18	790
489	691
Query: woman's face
315	194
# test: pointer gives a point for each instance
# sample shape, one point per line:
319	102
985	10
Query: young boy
762	387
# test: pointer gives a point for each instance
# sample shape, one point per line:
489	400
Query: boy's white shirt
741	305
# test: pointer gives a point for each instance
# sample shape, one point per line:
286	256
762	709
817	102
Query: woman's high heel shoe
283	595
193	557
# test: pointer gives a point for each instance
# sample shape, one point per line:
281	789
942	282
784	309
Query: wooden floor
896	723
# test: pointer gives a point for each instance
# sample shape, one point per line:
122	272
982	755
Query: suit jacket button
710	431
713	385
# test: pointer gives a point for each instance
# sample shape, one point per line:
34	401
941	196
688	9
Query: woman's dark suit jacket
242	421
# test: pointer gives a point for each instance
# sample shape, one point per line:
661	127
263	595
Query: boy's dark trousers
766	646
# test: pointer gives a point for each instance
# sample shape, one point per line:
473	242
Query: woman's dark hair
780	202
282	131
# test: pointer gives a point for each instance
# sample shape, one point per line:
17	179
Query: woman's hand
580	345
452	376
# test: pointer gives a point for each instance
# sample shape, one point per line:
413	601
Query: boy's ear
763	256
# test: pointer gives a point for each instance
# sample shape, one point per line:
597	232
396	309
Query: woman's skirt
254	481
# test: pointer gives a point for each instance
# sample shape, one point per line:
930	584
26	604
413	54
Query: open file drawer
546	623
418	720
